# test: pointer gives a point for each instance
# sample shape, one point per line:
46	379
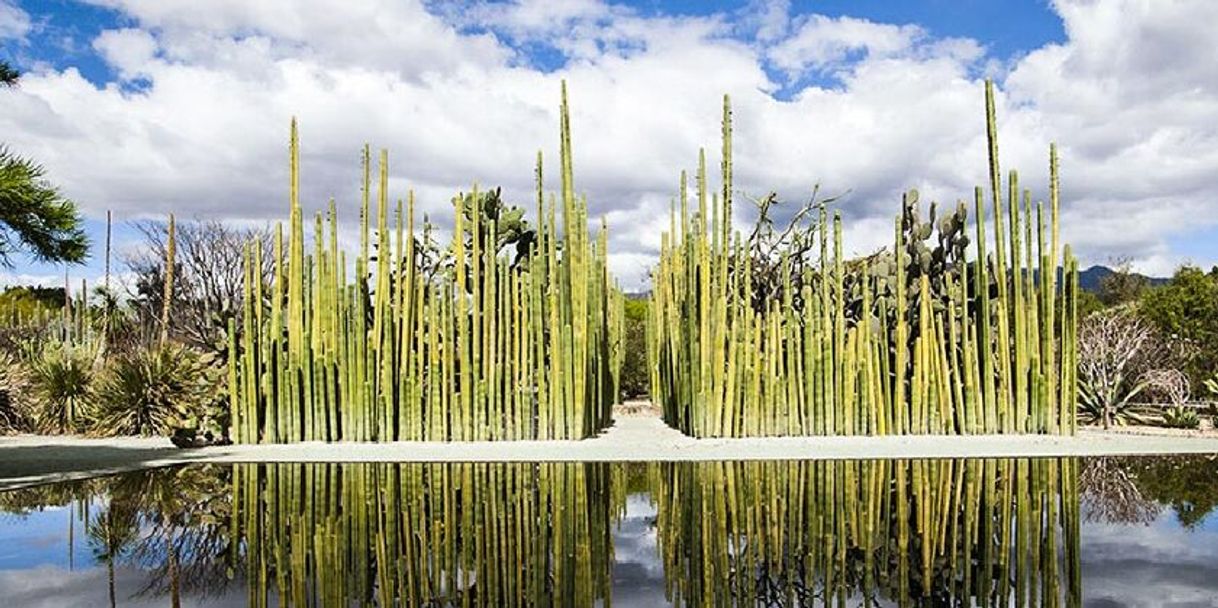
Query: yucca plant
63	380
918	339
148	390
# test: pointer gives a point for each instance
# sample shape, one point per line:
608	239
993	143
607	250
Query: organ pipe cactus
917	340
485	347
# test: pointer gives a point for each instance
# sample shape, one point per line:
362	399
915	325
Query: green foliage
1186	309
8	74
1088	303
412	346
1181	417
35	217
16	409
62	374
150	390
1122	286
511	229
1186	483
634	374
914	340
1110	405
29	302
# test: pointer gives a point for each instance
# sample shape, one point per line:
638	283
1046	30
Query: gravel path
28	460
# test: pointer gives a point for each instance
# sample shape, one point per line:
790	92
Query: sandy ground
28	459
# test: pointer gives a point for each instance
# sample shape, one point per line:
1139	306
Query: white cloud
1130	96
14	22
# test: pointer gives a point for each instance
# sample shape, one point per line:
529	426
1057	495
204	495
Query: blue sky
184	109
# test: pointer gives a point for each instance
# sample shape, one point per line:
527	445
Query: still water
994	532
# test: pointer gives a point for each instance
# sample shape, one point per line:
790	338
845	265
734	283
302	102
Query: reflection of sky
1161	564
41	538
638	571
35	569
1134	566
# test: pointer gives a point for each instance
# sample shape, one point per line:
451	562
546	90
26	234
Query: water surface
994	532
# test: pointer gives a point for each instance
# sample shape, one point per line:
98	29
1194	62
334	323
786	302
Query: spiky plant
916	340
63	379
417	341
144	392
15	388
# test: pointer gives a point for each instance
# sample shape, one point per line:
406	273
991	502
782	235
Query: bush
15	388
62	378
1181	417
635	378
153	390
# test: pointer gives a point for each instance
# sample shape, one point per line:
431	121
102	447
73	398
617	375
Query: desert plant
1181	417
1116	348
62	374
15	397
460	344
913	340
148	390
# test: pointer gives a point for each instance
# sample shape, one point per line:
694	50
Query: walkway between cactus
30	460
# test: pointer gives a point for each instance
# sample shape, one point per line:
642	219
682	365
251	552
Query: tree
1186	310
208	278
1115	349
1123	285
635	378
35	217
8	75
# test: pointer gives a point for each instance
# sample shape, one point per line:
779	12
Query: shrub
635	375
149	390
15	397
62	377
1181	417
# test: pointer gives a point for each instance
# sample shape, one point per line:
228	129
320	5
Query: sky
146	107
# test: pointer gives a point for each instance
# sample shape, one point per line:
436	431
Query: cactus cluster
916	340
423	534
997	532
423	342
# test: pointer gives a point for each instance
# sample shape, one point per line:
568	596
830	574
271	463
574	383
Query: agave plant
1181	417
62	376
145	392
1109	403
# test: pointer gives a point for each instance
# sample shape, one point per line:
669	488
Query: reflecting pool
984	532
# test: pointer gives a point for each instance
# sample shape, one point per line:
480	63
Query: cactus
751	340
467	342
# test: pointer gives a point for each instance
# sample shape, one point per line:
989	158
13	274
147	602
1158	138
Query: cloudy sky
150	106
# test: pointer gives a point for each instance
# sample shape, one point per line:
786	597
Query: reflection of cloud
1143	566
55	587
638	571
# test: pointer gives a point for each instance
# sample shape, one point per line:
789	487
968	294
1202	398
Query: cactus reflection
949	532
905	533
416	535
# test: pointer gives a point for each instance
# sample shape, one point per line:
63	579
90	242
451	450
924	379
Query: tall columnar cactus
999	532
919	340
479	347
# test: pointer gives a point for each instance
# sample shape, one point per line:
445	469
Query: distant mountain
1089	279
